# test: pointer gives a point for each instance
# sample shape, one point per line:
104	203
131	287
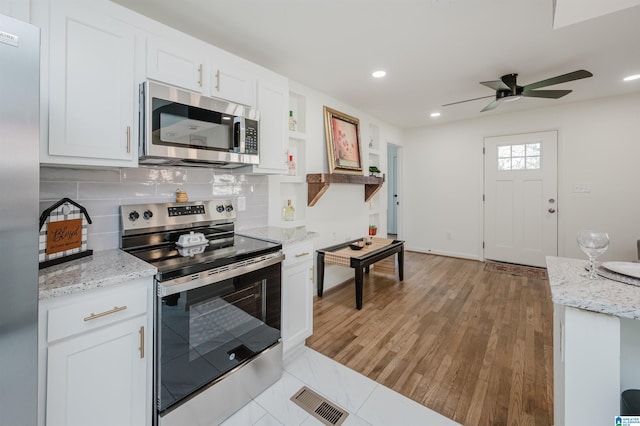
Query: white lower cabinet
98	357
297	295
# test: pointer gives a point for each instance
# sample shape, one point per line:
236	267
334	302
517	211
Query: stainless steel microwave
179	127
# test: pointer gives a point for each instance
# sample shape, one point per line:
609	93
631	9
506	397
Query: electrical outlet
242	204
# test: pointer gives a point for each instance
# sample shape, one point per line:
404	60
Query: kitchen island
596	341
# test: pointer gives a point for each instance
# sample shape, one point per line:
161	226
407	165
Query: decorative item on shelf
292	166
288	212
343	142
373	170
63	233
181	196
292	122
373	229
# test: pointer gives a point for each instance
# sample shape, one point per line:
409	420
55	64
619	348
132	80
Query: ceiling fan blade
551	94
469	100
495	85
576	75
491	106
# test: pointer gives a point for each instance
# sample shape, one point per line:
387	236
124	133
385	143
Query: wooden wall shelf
318	183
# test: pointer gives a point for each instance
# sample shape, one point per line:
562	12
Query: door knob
552	210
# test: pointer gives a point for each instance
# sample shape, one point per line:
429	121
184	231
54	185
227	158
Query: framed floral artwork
343	142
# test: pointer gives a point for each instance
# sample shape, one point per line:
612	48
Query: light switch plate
581	187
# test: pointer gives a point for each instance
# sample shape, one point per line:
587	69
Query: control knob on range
133	215
220	208
148	214
229	208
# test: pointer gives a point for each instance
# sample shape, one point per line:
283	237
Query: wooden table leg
320	283
359	279
401	263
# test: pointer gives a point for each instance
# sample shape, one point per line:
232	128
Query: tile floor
367	402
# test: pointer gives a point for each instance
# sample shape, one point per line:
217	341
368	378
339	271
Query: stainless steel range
217	315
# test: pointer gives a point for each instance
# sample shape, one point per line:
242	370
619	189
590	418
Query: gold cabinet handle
200	74
141	331
218	80
105	313
306	253
128	139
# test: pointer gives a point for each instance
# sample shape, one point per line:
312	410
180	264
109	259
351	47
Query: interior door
520	198
392	195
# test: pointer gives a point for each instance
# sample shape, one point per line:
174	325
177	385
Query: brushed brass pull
141	331
128	139
105	313
302	254
200	74
218	80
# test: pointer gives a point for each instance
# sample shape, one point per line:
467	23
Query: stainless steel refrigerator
19	183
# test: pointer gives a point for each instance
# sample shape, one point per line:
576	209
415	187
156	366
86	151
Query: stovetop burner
152	232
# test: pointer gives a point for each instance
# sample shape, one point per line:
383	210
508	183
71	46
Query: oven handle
210	276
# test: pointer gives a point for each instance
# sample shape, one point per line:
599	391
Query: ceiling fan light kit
507	88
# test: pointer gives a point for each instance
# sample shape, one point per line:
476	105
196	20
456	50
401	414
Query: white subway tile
115	191
56	190
80	175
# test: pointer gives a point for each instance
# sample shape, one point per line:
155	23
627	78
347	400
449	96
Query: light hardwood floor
475	346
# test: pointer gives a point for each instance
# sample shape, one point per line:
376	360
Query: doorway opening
394	164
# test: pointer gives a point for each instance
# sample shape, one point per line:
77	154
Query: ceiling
434	51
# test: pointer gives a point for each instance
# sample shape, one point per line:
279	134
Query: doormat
518	270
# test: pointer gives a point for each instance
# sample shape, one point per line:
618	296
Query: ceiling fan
507	89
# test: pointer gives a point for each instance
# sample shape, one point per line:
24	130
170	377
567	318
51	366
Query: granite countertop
284	236
570	287
101	269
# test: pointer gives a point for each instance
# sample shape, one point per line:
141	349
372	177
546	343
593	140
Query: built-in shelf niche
374	137
318	184
297	104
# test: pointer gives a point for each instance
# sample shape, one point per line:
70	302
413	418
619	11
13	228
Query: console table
360	260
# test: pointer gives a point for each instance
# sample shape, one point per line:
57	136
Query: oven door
205	332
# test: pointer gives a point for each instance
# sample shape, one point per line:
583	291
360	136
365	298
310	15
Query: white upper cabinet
92	93
273	105
175	64
231	82
193	65
18	9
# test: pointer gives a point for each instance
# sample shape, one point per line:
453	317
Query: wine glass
593	244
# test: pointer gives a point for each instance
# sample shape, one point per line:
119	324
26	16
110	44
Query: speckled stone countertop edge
103	268
569	287
284	236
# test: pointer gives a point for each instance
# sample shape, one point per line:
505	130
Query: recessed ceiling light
379	74
435	114
632	77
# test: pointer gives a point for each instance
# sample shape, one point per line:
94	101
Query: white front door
520	198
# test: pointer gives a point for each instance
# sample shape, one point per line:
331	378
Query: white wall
598	144
341	214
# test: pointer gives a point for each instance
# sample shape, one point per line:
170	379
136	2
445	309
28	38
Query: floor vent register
319	407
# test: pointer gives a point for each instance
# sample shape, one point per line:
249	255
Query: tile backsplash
103	191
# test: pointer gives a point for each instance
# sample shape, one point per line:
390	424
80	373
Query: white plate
631	269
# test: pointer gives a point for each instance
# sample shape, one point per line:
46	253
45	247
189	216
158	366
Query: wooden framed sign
63	233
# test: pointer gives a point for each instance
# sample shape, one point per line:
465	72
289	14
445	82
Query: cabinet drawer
93	312
297	253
